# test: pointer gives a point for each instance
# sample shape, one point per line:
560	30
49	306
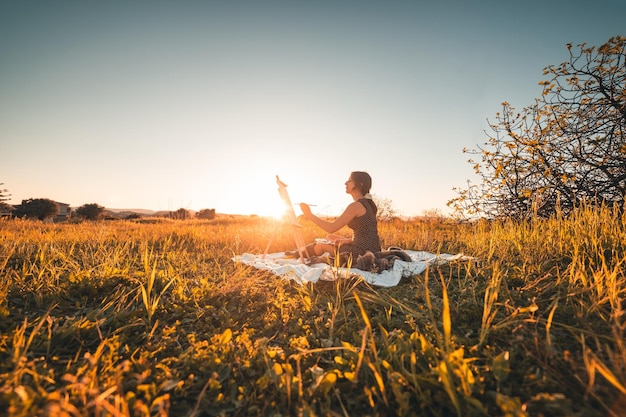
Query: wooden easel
293	221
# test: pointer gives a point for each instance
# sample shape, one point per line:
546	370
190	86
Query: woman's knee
322	248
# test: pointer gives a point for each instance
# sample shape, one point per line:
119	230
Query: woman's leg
321	248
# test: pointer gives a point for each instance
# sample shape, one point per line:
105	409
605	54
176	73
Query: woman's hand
338	239
306	210
334	238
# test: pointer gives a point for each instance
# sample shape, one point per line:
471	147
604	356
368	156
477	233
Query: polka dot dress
366	228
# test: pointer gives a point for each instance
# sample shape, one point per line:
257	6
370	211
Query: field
154	318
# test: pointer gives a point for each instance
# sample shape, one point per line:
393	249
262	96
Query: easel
291	217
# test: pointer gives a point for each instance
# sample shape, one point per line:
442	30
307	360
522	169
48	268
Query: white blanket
290	268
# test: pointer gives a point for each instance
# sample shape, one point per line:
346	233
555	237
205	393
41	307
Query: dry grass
127	318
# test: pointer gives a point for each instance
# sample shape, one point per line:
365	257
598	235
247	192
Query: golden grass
154	318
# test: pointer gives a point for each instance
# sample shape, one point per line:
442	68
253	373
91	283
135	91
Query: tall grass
131	318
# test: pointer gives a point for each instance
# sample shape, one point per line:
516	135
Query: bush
207	214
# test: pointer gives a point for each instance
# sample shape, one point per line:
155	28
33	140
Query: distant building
65	212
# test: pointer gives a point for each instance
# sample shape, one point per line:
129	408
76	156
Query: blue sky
199	104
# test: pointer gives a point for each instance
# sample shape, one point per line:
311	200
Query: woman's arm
355	209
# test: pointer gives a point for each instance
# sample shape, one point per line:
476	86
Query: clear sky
199	104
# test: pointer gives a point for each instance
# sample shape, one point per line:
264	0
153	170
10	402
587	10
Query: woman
360	216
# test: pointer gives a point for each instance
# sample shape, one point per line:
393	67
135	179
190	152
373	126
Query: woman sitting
360	216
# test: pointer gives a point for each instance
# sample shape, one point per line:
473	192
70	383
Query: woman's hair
362	180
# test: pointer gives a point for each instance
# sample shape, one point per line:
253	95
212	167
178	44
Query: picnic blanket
290	268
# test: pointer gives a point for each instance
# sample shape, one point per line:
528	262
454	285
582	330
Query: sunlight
279	207
254	191
274	207
263	198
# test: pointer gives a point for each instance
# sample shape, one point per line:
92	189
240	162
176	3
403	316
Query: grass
130	318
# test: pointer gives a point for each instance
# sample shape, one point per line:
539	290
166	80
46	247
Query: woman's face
350	185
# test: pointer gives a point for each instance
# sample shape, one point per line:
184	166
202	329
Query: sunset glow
201	104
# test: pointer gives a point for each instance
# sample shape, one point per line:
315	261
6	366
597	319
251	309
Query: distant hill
124	213
138	211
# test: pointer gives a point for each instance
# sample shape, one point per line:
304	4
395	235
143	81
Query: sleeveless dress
365	229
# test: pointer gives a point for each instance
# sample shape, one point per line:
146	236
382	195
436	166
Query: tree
91	211
4	197
207	214
37	208
568	147
386	211
181	214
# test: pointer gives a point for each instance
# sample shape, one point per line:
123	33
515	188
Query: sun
267	198
275	207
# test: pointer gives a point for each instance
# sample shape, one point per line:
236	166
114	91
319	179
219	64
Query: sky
194	104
